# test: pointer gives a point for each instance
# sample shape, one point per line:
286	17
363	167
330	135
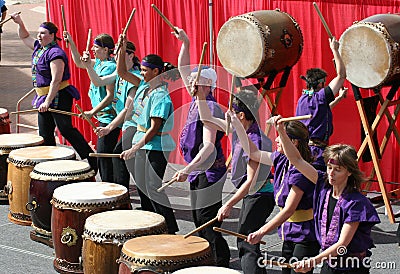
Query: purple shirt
240	158
354	207
320	125
43	72
285	177
191	140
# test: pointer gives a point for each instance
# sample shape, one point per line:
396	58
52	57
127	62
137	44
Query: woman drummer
101	96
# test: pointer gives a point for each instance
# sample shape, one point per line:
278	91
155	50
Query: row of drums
90	224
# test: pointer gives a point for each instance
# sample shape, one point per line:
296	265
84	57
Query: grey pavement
19	254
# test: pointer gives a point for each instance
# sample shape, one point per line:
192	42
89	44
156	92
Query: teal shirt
97	94
157	103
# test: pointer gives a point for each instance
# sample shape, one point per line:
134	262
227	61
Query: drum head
119	222
206	269
366	54
40	154
165	246
240	47
89	192
62	170
9	142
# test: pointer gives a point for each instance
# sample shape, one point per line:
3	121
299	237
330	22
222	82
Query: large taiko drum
106	232
4	121
370	51
45	178
72	205
9	142
259	42
21	163
164	253
207	270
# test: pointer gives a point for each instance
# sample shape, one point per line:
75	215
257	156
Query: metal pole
210	16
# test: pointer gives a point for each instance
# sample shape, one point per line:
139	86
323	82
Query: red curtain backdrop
152	35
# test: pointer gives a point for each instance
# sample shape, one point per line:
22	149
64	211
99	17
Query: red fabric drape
152	35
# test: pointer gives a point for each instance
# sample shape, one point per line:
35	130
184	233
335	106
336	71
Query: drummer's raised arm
205	112
122	69
184	56
337	83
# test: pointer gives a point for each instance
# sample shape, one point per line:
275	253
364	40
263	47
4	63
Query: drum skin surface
163	253
254	44
106	232
370	51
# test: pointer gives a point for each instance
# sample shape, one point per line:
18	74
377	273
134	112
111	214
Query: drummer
201	147
317	100
50	75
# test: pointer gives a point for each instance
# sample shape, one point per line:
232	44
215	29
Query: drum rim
7	148
84	172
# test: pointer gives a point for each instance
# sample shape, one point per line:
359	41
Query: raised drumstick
167	184
50	109
288	119
85	117
126	28
241	236
5	21
165	18
323	20
203	52
64	23
228	118
89	37
105	155
201	227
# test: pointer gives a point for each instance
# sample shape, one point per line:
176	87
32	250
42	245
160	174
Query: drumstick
64	23
5	21
288	119
228	118
165	18
323	20
241	236
85	117
89	37
126	28
173	180
50	109
105	155
203	52
201	227
276	263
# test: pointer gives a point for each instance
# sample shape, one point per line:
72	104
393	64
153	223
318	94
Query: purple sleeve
359	209
299	180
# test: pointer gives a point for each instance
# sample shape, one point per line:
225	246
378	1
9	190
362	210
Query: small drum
45	178
370	51
106	232
72	204
256	43
21	162
206	269
164	253
4	121
9	142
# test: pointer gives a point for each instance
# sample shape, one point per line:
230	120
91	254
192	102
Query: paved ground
19	254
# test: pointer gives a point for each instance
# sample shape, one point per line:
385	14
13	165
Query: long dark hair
296	130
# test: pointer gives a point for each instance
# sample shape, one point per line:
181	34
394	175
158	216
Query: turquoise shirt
121	92
157	103
97	94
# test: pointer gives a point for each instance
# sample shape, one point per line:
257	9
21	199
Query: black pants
299	251
326	269
253	214
47	122
206	200
123	169
106	144
150	167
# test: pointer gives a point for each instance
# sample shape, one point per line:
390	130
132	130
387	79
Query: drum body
164	253
254	44
9	142
4	121
45	178
370	51
72	204
206	269
106	232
